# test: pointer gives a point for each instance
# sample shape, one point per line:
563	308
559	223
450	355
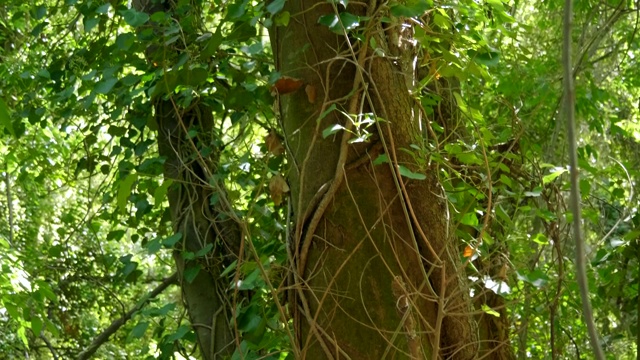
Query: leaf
311	93
124	191
326	112
382	158
105	86
275	6
36	324
161	192
488	58
536	278
191	273
154	246
557	172
332	129
489	310
282	19
541	239
229	268
134	18
409	174
204	251
237	9
533	193
277	188
286	85
468	251
139	330
411	8
470	219
345	21
274	143
172	240
5	119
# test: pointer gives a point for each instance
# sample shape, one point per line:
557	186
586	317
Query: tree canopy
168	161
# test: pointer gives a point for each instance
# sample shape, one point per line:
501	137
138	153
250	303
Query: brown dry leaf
311	93
274	143
286	85
278	187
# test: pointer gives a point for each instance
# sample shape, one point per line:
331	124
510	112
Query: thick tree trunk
377	271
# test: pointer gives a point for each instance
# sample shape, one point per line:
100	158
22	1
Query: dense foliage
85	224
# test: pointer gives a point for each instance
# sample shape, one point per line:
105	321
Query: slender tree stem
581	268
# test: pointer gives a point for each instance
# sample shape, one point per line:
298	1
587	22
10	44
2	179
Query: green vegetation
315	179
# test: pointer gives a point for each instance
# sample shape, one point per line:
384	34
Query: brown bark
377	271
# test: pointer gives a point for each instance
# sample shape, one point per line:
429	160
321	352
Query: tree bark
377	271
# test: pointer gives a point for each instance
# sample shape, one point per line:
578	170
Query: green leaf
204	251
105	86
409	174
139	330
282	19
191	272
179	334
229	268
533	193
134	18
489	58
331	130
489	310
536	278
172	240
470	219
237	9
103	9
36	325
540	238
411	8
115	235
335	23
90	23
382	158
275	6
5	119
557	172
326	112
160	194
153	246
124	191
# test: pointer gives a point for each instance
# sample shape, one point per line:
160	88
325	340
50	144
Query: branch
117	324
581	267
7	180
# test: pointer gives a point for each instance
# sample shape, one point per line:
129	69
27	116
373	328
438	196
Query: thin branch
7	180
581	268
117	324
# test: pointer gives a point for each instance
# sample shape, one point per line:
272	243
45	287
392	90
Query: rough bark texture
381	276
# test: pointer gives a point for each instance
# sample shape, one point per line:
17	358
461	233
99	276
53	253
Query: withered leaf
277	188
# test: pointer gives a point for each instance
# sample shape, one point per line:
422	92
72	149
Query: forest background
315	179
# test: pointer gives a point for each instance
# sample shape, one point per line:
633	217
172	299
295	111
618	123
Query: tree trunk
200	218
378	274
200	222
